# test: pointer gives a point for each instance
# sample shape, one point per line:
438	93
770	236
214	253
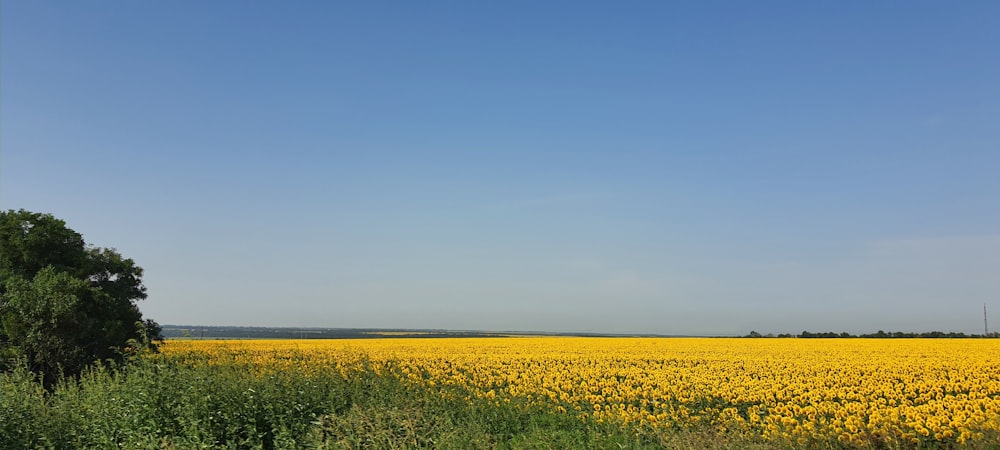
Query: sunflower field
520	392
796	392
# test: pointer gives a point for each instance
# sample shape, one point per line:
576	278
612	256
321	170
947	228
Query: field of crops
857	392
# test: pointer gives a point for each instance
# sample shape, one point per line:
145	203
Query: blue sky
664	167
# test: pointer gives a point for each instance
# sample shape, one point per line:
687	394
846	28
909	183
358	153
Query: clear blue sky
666	167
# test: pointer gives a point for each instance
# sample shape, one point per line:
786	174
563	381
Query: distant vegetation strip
230	332
879	335
221	332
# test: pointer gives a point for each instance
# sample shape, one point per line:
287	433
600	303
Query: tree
63	304
31	241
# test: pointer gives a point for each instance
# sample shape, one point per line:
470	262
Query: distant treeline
880	335
226	332
236	332
239	332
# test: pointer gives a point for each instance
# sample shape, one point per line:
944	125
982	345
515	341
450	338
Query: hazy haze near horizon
675	168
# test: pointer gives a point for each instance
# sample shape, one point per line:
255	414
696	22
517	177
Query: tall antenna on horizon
986	325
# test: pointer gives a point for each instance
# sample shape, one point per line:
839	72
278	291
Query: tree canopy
65	304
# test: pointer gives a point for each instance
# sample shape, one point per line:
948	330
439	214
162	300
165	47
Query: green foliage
42	319
64	305
31	241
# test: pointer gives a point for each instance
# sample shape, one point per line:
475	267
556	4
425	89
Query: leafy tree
63	304
31	241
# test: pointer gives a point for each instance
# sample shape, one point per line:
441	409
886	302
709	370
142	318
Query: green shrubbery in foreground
159	402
